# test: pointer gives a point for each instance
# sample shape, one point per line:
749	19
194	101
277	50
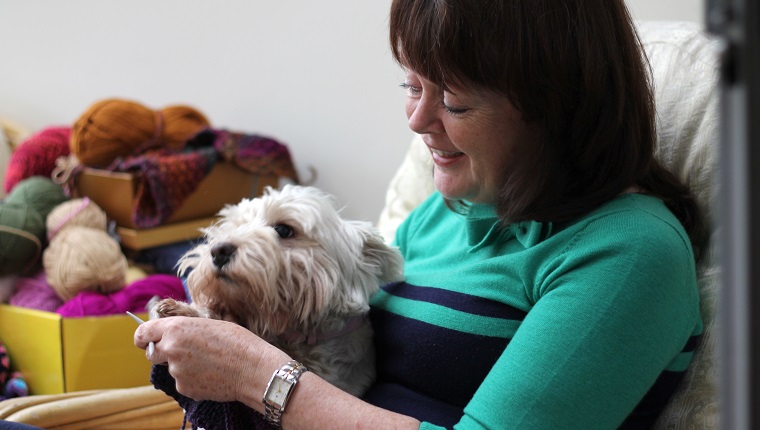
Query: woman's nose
424	115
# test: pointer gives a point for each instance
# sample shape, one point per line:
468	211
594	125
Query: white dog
287	267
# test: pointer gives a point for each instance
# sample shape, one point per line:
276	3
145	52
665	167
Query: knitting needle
151	345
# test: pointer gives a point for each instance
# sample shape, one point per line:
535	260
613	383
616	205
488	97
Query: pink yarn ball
36	155
34	292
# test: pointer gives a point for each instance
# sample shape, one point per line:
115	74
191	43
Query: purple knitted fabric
165	179
207	414
254	153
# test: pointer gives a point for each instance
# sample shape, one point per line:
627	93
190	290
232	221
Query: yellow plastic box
61	355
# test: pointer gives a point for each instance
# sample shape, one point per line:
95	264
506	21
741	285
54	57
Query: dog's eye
284	231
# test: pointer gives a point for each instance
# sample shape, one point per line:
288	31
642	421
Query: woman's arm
221	361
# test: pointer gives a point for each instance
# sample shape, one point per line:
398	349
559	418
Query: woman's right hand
211	359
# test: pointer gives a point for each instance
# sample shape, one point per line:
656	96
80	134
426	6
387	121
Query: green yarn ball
38	192
22	233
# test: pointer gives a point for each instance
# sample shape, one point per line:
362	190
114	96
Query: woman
550	280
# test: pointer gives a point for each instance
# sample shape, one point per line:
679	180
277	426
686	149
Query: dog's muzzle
222	253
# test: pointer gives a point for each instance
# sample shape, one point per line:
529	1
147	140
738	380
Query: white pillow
684	66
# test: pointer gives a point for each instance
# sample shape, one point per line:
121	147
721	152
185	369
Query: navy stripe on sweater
454	300
444	364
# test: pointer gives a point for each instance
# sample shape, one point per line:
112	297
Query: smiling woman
561	291
471	135
685	74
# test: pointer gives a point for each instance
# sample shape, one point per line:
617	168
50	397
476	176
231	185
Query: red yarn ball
36	155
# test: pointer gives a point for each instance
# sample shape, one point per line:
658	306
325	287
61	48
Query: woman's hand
212	359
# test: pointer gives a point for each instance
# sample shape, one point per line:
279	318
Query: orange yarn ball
81	258
113	128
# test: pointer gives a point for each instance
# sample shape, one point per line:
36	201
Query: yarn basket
113	128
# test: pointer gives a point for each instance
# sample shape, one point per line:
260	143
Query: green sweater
537	326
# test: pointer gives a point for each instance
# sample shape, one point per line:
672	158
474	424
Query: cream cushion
685	75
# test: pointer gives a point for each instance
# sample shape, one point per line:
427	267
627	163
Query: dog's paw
173	308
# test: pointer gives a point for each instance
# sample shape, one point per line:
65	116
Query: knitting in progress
206	414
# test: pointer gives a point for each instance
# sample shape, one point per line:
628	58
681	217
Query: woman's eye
454	110
284	231
411	90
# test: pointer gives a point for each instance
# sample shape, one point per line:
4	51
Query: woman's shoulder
636	208
634	220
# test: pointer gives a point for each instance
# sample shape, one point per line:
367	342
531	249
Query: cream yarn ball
82	258
79	211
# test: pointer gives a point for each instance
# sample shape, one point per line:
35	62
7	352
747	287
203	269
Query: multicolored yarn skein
81	255
113	128
22	223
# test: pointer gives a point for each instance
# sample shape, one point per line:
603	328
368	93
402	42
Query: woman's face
471	135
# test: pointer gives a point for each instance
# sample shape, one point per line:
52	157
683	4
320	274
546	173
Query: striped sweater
585	325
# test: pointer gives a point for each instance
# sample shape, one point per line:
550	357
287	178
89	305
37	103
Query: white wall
668	10
317	75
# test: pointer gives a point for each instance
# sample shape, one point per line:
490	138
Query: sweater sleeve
611	312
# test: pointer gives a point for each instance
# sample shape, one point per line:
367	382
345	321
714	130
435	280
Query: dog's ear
386	258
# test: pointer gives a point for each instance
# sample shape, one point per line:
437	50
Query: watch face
278	391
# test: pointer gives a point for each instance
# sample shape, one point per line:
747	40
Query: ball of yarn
22	233
79	211
181	123
5	365
34	292
39	193
16	386
36	155
114	128
80	258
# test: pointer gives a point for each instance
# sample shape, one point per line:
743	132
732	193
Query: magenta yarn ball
36	155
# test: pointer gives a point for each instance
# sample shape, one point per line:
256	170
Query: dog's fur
287	264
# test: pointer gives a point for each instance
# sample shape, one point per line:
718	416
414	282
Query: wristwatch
279	389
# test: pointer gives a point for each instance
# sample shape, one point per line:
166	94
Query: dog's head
287	259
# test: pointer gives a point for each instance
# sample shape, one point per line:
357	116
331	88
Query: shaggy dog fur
287	267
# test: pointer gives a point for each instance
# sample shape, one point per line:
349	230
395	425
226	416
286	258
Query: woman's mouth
444	158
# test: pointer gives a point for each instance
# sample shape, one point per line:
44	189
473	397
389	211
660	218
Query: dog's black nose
222	253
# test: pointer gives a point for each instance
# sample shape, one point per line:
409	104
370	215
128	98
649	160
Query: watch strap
289	373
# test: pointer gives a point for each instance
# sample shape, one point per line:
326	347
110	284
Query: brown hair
576	71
